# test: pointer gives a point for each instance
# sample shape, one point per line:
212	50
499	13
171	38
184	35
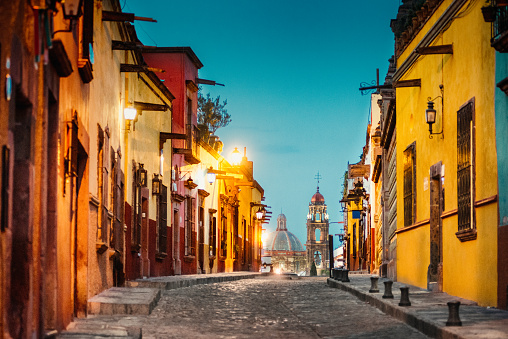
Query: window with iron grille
464	166
190	248
162	227
410	185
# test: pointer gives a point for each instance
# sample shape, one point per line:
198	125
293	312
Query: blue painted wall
502	137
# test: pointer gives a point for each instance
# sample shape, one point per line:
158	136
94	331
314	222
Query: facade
499	43
446	185
317	234
90	196
285	250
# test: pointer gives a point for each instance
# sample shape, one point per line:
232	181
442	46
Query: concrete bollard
336	274
388	289
373	285
453	314
345	275
404	296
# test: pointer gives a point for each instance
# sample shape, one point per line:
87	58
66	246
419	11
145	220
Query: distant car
266	268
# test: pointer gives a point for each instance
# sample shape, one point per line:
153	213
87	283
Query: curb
403	314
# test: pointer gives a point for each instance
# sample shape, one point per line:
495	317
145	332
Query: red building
181	66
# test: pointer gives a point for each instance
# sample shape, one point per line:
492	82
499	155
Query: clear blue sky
292	70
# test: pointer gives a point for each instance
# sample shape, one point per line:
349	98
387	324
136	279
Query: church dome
282	239
317	198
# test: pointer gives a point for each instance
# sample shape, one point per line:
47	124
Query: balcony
191	150
500	29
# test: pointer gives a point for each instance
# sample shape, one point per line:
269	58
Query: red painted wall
132	260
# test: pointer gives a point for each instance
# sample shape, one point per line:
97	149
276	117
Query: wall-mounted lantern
260	213
156	185
130	113
430	112
210	176
142	179
72	9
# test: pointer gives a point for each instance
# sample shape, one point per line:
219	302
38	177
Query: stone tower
317	233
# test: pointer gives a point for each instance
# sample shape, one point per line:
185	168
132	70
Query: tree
313	270
212	114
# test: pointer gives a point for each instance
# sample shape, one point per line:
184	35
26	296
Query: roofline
187	50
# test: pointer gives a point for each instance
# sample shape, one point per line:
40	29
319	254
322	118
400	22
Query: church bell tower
317	233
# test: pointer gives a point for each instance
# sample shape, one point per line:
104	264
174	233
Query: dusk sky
291	71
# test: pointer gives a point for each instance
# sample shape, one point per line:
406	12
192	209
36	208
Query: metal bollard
345	275
388	289
404	296
453	314
373	285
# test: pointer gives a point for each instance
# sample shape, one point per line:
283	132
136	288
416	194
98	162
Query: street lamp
236	157
72	9
259	214
210	176
156	185
430	112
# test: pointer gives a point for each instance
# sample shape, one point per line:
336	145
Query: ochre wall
469	268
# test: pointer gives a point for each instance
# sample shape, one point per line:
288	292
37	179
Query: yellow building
446	171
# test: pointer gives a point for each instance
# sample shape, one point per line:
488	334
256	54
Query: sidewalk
428	312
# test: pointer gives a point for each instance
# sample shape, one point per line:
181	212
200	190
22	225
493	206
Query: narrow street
265	307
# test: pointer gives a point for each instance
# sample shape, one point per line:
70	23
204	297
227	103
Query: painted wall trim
485	201
412	227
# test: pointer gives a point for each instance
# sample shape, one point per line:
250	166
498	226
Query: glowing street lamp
259	214
236	157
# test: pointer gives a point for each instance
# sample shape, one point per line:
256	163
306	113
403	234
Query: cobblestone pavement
265	307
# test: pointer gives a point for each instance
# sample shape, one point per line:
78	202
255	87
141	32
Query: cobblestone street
265	307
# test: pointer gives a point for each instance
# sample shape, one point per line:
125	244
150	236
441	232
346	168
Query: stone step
124	300
87	330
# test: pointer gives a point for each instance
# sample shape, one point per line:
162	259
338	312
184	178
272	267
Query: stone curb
404	314
171	283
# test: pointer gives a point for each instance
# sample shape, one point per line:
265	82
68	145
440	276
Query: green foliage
212	114
313	270
325	273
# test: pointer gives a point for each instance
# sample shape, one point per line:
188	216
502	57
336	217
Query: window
234	240
212	234
190	233
465	167
162	214
103	169
410	185
137	210
224	236
244	242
